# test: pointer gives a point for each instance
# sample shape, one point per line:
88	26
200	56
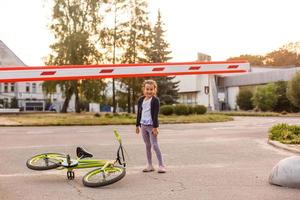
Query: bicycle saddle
82	153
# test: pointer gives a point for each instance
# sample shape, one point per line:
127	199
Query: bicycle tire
55	160
99	182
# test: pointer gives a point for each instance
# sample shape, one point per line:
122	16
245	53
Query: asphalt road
227	161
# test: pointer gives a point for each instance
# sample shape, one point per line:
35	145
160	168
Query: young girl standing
147	122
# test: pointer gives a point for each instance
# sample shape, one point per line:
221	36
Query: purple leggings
151	141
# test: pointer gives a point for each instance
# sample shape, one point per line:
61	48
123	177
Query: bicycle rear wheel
98	178
45	161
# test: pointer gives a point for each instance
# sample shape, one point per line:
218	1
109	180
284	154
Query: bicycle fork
102	169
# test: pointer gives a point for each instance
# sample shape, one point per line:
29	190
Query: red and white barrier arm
73	72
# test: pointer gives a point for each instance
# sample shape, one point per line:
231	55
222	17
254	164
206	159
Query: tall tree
293	90
282	57
136	42
255	60
115	36
292	46
159	53
75	25
283	103
265	97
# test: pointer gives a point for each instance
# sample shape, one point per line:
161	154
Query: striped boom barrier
74	72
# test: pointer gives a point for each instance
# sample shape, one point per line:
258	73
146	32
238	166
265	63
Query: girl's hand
137	131
155	131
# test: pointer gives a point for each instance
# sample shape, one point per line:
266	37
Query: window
5	87
27	87
188	98
12	87
33	87
5	102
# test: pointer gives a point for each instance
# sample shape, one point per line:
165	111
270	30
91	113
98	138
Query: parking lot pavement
230	160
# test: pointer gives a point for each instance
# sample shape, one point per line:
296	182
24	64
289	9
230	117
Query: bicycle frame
79	163
110	172
87	163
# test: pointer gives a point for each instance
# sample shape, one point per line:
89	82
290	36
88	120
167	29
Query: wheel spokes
103	176
45	160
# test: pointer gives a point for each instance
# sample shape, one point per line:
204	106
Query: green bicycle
107	171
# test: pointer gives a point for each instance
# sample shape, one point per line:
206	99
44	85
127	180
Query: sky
220	28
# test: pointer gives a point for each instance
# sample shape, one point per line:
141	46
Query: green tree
292	47
136	42
283	103
265	97
49	88
293	90
159	53
115	40
76	25
282	57
255	60
244	100
94	90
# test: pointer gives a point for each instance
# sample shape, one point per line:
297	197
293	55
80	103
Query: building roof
8	58
258	76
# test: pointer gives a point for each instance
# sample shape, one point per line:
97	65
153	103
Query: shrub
256	109
116	115
283	103
244	100
181	109
108	115
167	110
190	109
289	134
126	115
166	99
284	112
97	115
265	97
200	109
293	90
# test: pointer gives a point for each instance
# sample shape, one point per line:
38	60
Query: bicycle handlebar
118	137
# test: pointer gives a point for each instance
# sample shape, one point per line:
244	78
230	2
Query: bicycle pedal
70	175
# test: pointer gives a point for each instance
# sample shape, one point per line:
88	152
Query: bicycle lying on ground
107	171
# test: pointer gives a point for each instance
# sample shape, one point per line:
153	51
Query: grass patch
72	119
284	133
172	119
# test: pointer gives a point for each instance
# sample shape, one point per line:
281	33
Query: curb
283	146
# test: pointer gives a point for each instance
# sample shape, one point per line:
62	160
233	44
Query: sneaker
161	169
148	169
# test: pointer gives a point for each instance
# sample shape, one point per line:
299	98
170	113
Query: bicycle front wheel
98	178
45	161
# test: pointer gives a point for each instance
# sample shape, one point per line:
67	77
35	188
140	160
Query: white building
231	84
219	92
27	95
198	89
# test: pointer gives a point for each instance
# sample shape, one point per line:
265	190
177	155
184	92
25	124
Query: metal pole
208	94
114	58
